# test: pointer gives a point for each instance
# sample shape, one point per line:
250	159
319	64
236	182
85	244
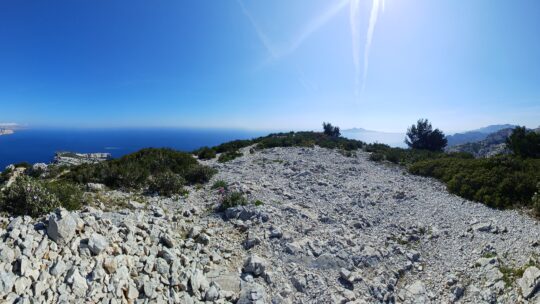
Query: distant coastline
6	132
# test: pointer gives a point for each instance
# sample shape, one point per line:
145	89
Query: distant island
6	131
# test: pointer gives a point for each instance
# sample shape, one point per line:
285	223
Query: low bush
220	184
199	174
228	156
376	156
232	199
134	171
308	139
410	156
206	153
27	196
167	184
234	145
499	182
68	194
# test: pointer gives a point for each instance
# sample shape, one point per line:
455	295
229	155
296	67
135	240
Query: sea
40	145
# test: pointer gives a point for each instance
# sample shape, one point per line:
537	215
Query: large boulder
530	282
62	226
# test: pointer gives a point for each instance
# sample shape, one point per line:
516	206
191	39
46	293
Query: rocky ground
330	229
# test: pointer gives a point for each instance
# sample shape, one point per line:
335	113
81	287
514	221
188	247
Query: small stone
58	268
110	265
97	243
251	241
167	240
78	282
255	265
300	283
162	267
345	274
132	292
212	294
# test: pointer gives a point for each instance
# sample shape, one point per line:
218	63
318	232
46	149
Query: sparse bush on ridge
330	139
228	156
205	153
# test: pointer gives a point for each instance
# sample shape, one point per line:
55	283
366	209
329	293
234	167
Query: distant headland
6	131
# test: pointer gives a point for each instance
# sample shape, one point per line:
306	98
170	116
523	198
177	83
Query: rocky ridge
331	229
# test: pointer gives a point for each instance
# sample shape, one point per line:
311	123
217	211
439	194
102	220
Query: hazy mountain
494	128
493	144
370	136
476	135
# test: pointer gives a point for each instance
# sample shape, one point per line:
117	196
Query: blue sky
277	64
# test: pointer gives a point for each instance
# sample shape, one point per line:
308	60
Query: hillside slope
475	135
493	144
327	229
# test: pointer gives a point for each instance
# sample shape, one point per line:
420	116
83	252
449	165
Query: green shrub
27	196
167	184
410	156
375	156
393	156
307	139
234	145
220	184
199	174
232	199
68	194
290	139
228	156
133	171
499	182
206	153
258	203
